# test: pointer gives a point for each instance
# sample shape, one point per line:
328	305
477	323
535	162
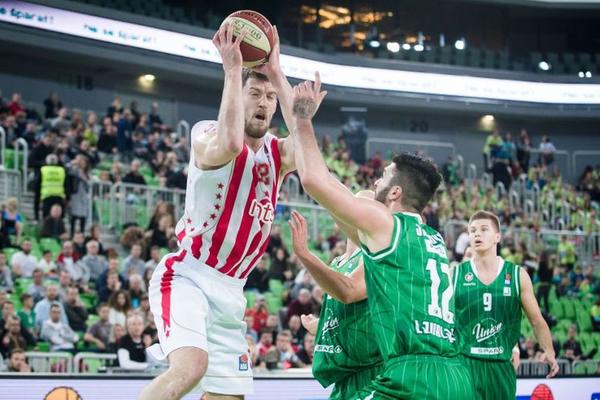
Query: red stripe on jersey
237	251
253	262
196	246
253	245
232	191
181	235
165	289
276	160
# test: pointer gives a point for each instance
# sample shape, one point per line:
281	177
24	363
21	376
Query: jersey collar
414	215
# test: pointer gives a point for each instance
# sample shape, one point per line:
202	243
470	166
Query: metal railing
55	362
439	151
91	363
22	144
589	367
10	184
3	145
537	368
184	130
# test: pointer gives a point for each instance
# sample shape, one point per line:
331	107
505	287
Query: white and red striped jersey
229	211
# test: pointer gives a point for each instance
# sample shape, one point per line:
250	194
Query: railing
183	128
589	367
22	144
56	362
562	160
471	174
594	156
439	151
91	363
3	145
10	184
537	368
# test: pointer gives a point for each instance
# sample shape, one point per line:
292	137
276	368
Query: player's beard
381	195
256	132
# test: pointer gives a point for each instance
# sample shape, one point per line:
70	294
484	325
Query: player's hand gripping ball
258	42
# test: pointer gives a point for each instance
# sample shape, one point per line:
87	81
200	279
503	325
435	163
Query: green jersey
488	316
344	342
410	292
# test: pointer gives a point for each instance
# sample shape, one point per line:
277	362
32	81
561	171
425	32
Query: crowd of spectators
80	294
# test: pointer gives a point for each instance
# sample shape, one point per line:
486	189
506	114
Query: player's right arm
217	148
347	289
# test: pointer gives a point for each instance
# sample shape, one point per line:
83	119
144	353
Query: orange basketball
259	41
63	393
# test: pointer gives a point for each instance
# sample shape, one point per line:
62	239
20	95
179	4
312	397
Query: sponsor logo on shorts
487	351
331	349
243	363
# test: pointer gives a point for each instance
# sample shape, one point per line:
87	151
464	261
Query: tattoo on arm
304	108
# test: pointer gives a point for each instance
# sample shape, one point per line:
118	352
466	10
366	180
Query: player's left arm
540	327
272	69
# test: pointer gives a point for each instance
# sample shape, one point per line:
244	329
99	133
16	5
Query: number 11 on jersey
435	309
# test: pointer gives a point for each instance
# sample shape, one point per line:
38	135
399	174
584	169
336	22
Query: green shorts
420	377
347	387
492	379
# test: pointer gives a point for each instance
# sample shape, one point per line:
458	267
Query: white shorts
197	306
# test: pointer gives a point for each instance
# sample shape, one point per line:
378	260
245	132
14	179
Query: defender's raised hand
307	98
228	48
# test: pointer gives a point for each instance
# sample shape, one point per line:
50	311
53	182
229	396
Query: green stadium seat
276	287
273	302
50	244
580	369
21	285
569	307
250	298
16	299
89	300
9	252
92	319
556	308
43	346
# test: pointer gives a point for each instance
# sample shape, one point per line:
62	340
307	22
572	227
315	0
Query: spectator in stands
136	289
124	131
301	305
117	333
134	262
119	304
259	314
265	344
42	308
297	331
545	280
492	144
17	362
572	347
279	265
61	122
47	264
94	262
6	282
53	225
68	260
80	190
52	185
30	134
249	321
107	141
547	151
163	232
37	289
26	314
16	104
110	281
316	299
92	129
258	278
64	283
524	150
99	333
58	333
76	312
79	244
23	262
566	252
431	217
96	234
13	337
154	118
178	180
155	257
131	348
306	353
134	176
12	224
52	104
285	355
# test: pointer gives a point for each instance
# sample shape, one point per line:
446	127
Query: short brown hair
248	73
482	214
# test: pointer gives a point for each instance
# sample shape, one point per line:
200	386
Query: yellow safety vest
53	181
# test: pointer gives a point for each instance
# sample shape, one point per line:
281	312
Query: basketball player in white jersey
235	171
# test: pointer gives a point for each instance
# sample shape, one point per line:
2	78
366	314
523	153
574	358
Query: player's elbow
353	296
234	146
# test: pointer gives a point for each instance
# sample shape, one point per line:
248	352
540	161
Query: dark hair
17	350
248	73
418	177
25	296
55	305
482	214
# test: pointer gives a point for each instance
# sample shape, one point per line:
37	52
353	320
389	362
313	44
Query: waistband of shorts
210	272
485	360
422	357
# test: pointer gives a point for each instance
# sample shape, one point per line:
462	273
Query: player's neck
254	143
487	260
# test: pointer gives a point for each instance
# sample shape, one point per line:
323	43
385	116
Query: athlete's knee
188	365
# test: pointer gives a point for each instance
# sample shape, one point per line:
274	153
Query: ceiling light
581	74
588	74
544	66
406	46
394	47
374	43
488	118
460	44
148	77
418	47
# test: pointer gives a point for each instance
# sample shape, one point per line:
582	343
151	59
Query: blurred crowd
63	287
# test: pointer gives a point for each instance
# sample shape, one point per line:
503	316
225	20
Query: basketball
62	393
259	41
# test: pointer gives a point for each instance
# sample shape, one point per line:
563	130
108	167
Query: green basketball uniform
410	295
345	352
489	322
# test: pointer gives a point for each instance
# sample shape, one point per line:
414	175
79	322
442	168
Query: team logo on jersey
507	278
263	210
507	291
469	277
262	171
243	362
486	329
